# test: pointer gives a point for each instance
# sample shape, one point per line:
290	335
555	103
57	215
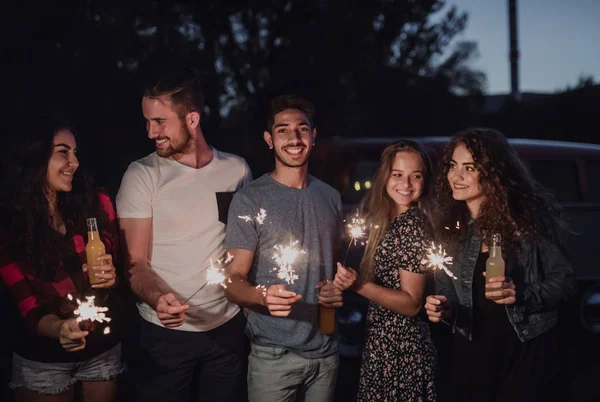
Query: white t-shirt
188	208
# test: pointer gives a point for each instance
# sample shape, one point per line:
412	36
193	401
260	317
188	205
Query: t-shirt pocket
223	202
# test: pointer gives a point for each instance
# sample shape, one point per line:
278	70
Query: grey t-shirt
266	214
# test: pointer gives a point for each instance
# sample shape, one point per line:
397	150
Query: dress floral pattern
398	362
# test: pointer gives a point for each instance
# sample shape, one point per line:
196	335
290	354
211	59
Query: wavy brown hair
26	230
377	204
514	203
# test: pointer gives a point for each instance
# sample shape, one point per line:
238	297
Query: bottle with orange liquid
326	317
93	250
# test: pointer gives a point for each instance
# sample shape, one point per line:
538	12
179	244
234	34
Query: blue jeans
277	375
55	378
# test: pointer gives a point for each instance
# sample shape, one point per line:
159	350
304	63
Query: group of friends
255	336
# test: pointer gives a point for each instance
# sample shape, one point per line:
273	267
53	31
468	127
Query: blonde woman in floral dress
398	361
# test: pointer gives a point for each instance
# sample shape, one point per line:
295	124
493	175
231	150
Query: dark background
376	68
373	68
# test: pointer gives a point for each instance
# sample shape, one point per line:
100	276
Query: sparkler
88	311
285	257
263	289
438	259
215	275
260	217
357	231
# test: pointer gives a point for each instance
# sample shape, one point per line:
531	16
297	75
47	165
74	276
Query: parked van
571	171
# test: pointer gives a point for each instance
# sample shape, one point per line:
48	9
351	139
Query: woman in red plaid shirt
44	203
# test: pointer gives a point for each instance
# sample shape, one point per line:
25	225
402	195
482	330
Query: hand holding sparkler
70	336
346	278
438	309
279	300
170	311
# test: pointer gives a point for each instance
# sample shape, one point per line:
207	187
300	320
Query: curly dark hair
514	203
26	227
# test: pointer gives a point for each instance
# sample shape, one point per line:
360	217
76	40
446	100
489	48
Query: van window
361	179
559	177
592	173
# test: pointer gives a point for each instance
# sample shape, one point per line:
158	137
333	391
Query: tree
354	59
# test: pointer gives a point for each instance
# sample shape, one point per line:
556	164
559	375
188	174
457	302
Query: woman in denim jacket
505	343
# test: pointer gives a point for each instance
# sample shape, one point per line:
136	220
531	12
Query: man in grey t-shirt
283	234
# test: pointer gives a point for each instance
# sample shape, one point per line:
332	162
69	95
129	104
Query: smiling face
63	162
406	180
292	138
169	132
463	178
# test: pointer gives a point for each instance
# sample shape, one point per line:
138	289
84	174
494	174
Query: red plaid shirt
37	297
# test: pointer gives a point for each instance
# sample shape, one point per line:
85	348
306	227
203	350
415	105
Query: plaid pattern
37	297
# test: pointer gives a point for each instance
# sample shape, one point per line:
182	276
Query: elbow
412	309
229	295
133	273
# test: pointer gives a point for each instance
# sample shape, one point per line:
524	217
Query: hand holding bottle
105	274
501	290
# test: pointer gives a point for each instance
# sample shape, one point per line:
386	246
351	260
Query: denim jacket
543	280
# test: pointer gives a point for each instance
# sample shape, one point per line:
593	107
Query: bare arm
406	301
49	326
145	283
276	298
68	333
239	290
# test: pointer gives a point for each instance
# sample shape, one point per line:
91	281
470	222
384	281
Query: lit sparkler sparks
357	231
215	275
88	311
438	259
260	217
284	258
263	289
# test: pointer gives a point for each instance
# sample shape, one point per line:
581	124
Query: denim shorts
55	378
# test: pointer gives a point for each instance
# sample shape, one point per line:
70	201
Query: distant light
357	186
367	184
594	299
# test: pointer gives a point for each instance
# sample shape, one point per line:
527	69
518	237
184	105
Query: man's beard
177	149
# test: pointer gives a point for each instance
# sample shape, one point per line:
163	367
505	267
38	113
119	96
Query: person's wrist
357	285
57	328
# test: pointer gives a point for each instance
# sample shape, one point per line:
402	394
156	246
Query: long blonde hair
379	207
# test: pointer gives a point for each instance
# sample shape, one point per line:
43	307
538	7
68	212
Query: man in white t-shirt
172	208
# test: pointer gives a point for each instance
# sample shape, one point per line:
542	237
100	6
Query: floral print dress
398	361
